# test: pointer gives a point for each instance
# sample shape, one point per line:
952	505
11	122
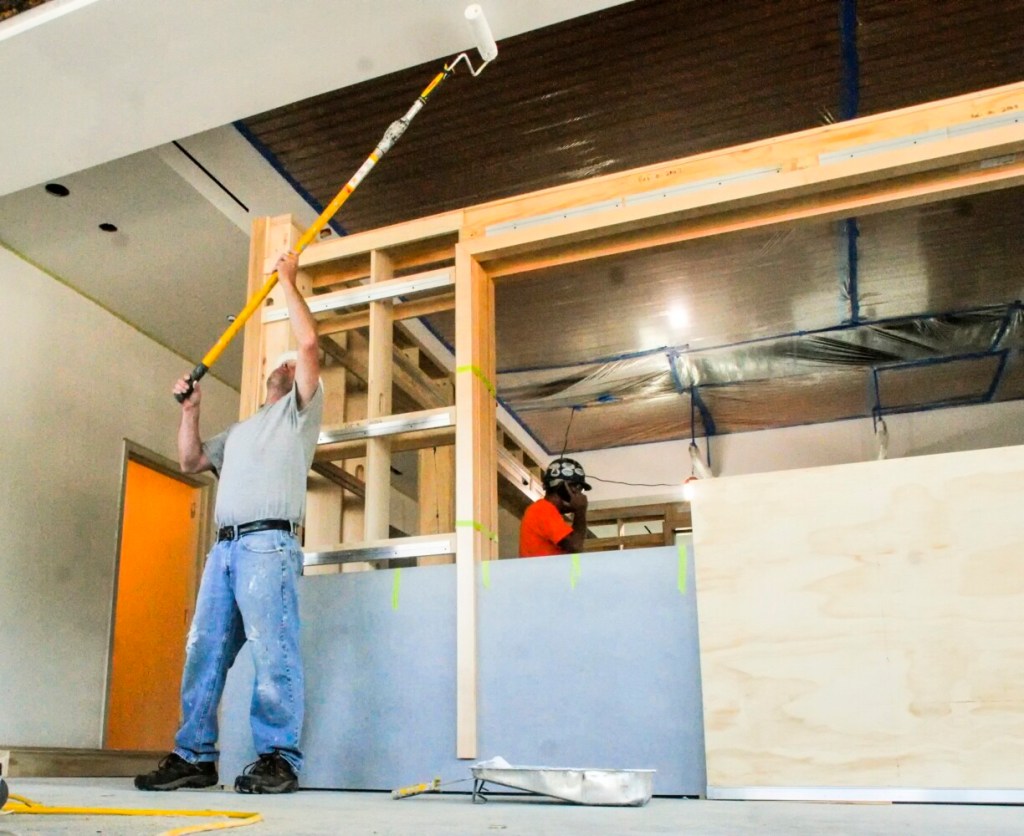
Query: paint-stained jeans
248	592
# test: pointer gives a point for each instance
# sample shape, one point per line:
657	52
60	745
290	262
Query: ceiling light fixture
881	439
108	227
698	470
57	190
697	466
677	317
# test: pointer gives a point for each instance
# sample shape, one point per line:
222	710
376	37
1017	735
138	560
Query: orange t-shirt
542	529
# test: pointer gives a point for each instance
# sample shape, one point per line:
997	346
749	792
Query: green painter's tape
683	557
485	573
478	372
394	589
490	535
574	571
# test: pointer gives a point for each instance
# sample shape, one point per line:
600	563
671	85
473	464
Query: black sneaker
270	774
175	772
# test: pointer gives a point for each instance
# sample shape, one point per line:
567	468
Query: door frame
206	484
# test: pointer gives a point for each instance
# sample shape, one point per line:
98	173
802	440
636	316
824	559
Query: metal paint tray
597	787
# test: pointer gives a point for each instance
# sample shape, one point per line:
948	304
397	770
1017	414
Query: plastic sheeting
837	373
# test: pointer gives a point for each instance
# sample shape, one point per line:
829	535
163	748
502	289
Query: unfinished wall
861	626
910	434
77	381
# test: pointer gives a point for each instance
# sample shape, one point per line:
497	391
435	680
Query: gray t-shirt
262	461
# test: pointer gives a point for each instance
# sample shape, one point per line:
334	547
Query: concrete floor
376	814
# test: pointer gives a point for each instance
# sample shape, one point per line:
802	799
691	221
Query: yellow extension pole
391	135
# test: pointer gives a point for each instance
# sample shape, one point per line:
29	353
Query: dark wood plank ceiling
654	80
9	8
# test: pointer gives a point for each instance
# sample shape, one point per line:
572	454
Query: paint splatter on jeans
248	593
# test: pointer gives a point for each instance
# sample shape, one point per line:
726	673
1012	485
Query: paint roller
488	50
485	44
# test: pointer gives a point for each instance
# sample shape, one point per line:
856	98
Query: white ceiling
96	90
112	77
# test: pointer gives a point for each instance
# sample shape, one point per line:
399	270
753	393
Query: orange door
155	595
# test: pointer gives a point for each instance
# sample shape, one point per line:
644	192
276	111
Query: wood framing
661	520
436	499
270	238
936	150
378	403
476	503
929	152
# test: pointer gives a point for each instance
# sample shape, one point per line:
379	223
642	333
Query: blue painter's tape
278	166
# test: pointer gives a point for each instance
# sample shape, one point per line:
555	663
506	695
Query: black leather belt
233	532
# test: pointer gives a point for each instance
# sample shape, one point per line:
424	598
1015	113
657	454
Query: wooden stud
342	479
380	239
253	331
436	498
324	509
411	381
796	154
475	457
893	193
270	237
378	404
353	269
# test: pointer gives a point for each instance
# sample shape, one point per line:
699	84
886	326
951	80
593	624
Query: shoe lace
263	765
168	761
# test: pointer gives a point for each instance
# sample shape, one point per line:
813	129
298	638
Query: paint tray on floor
598	787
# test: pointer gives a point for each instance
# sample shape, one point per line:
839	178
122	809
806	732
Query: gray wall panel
592	666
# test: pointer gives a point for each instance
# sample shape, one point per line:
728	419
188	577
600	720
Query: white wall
841	442
77	381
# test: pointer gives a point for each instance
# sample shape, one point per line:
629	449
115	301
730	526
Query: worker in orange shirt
544	529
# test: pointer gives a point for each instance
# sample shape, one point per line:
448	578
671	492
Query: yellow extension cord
18	804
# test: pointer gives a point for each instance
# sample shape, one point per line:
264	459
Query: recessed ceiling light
57	190
108	227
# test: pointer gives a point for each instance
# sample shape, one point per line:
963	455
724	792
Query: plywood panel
863	625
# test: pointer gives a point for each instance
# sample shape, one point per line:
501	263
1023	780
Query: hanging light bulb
697	465
689	488
882	439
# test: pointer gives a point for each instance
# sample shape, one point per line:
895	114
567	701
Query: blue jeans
248	592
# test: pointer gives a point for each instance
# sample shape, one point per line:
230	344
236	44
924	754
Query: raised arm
307	366
190	446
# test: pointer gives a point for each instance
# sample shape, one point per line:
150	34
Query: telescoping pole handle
417	789
488	50
193	378
391	136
